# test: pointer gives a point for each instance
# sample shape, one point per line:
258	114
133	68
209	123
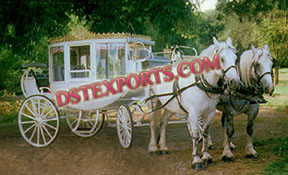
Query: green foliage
159	19
273	30
279	166
249	9
258	23
24	36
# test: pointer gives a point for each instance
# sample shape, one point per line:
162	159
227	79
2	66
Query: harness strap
175	88
174	94
207	87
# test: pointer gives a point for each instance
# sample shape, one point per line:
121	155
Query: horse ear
266	47
215	41
229	42
253	48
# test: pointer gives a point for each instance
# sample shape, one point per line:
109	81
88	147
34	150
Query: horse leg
207	158
223	118
162	142
152	147
210	143
252	114
197	163
227	122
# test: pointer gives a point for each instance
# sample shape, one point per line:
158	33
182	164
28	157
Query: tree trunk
277	76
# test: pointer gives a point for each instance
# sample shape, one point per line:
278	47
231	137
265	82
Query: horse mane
210	51
247	59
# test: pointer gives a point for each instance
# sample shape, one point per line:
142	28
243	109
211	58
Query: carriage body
75	61
93	59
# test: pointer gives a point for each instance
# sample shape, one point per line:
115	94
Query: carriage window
79	61
110	60
57	54
138	53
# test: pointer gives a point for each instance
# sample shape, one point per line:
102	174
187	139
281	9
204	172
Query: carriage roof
82	35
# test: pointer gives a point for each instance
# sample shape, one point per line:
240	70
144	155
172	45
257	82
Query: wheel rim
38	121
124	126
85	124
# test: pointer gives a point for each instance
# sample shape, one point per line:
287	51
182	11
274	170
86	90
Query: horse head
261	68
226	52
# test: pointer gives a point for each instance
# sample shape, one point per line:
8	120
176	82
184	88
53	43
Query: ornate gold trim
86	35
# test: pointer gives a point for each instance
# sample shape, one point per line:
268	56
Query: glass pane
110	60
139	53
80	61
58	63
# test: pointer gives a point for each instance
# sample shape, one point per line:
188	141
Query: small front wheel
38	121
125	126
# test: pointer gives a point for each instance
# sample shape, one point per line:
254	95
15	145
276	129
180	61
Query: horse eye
222	60
257	64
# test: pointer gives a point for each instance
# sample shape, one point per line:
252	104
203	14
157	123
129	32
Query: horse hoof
211	147
228	159
154	153
251	156
208	162
198	166
165	152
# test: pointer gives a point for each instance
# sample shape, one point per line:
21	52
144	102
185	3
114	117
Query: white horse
255	73
195	101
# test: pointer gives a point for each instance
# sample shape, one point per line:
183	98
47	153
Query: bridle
259	77
224	71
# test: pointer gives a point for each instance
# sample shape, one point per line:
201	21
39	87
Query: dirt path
103	154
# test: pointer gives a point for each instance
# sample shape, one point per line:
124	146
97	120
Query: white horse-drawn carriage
81	60
77	62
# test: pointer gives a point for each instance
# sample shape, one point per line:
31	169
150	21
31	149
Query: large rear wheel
38	121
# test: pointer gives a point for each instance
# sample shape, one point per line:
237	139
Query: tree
273	30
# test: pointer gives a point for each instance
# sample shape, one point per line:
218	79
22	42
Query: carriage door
110	60
80	62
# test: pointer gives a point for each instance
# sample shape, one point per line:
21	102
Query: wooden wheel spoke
92	124
38	135
128	133
28	116
27	122
47	131
34	107
28	129
43	136
38	106
33	133
50	126
45	106
47	113
29	110
73	122
49	120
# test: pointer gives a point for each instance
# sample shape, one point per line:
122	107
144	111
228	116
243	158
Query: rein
174	94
